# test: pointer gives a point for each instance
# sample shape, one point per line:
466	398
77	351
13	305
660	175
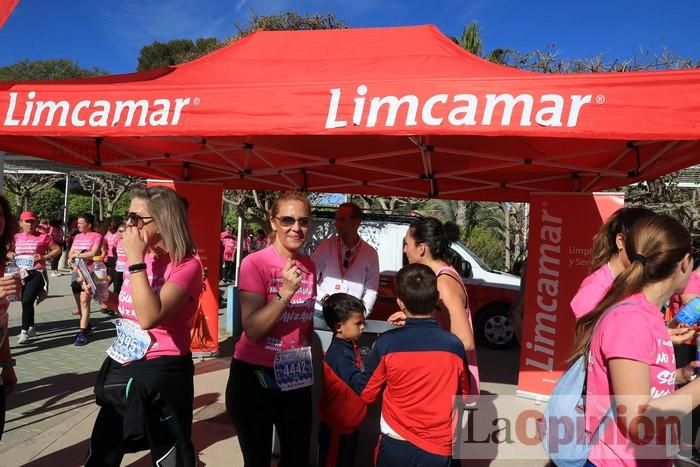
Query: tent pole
65	206
2	170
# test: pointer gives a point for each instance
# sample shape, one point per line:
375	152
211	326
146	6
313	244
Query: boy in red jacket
419	368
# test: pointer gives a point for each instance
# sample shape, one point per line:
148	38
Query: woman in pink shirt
631	353
608	259
86	245
31	251
145	386
271	371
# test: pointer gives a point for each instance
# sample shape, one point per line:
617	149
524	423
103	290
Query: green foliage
47	203
291	21
164	54
488	245
78	204
47	70
122	206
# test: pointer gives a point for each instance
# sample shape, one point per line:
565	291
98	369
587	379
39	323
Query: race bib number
131	343
120	266
293	369
24	261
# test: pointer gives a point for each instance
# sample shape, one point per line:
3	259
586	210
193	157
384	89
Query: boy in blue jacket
342	411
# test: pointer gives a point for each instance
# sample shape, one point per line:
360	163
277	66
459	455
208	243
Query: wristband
137	267
8	363
279	297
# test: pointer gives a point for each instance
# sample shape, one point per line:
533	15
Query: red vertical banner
562	226
205	203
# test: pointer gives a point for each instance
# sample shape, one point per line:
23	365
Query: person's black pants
398	453
117	281
2	409
254	409
228	271
344	453
33	285
57	258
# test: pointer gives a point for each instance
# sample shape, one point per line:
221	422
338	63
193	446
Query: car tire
493	327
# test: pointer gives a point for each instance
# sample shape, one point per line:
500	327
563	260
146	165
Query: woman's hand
134	242
397	319
687	372
680	334
9	285
291	279
9	380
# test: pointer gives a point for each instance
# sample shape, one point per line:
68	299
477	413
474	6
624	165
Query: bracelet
279	297
137	267
8	363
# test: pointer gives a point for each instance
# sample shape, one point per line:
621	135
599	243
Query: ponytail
655	245
620	222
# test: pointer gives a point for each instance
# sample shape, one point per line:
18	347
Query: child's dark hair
416	287
339	307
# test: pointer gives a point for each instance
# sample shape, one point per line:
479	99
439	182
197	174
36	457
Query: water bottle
12	270
99	274
689	314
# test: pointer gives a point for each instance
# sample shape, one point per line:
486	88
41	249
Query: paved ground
50	415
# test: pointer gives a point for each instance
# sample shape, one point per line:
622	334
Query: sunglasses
288	221
137	219
346	261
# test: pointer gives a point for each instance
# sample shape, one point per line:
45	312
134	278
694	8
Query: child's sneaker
31	332
23	337
81	339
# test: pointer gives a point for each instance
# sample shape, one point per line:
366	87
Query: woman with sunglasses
145	386
31	251
86	245
271	372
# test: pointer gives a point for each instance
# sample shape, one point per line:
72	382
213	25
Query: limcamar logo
26	110
549	110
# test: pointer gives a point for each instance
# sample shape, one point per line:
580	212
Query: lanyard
351	259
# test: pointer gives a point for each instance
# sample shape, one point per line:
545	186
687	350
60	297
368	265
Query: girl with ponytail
609	258
630	354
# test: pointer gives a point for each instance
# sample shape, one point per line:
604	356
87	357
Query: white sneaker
31	332
23	338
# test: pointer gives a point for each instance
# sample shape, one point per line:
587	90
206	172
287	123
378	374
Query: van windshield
460	246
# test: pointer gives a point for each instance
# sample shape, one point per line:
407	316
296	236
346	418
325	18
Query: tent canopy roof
388	111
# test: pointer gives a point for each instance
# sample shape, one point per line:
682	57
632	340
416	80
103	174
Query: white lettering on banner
547	293
461	110
98	113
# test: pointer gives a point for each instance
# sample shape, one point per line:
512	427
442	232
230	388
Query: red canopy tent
391	111
6	7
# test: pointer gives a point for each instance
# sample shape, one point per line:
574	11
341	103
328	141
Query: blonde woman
145	386
270	378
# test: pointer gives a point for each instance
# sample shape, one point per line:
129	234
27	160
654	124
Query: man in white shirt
345	262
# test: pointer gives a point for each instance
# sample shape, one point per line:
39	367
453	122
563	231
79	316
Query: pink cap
27	216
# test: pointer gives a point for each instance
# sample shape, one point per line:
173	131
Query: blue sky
109	33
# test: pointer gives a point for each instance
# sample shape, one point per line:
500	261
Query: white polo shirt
360	279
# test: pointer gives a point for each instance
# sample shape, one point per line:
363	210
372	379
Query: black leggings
228	271
254	409
33	285
117	281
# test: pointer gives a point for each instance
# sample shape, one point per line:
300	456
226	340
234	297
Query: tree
164	54
470	40
289	21
47	69
107	189
24	186
47	203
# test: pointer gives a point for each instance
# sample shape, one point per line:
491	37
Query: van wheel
493	327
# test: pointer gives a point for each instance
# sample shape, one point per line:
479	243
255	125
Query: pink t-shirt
171	337
27	245
86	241
121	256
228	241
635	330
592	290
261	273
110	240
